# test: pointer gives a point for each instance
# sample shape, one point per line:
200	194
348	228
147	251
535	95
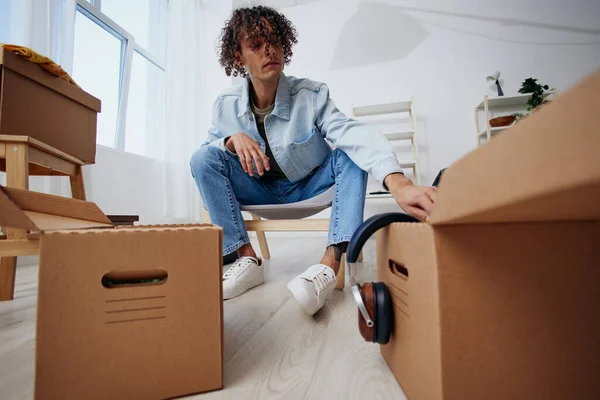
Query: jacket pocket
311	152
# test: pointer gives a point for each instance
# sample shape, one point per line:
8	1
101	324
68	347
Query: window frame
92	10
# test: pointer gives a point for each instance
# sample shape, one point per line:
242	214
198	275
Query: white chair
290	218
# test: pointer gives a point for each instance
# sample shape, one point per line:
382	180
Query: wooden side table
21	157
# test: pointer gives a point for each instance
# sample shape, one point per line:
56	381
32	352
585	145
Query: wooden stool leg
17	176
340	279
8	269
205	217
262	241
77	187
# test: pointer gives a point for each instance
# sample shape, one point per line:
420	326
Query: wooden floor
272	348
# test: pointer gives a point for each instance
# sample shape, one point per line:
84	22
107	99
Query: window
4	20
119	57
96	68
144	19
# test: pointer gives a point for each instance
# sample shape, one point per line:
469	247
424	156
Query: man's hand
247	150
417	201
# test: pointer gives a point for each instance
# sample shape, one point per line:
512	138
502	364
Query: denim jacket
303	118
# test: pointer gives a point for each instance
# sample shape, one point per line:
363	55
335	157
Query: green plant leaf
531	85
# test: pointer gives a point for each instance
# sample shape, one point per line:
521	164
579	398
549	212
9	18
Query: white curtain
187	107
47	27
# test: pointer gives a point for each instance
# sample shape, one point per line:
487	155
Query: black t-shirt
275	173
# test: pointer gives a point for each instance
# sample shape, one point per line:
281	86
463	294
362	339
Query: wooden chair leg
262	240
205	217
340	279
8	269
17	176
77	187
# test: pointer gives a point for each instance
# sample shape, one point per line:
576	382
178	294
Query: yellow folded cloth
40	60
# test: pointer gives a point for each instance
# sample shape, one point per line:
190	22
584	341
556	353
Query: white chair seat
297	210
290	218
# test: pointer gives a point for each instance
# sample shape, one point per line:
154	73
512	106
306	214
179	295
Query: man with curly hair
267	145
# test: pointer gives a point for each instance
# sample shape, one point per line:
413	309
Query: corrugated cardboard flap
43	212
547	168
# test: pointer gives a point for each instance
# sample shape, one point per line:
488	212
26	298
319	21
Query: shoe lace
322	279
238	267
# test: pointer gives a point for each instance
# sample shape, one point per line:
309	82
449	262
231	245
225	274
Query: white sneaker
245	273
312	287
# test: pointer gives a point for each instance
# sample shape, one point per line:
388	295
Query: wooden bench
22	157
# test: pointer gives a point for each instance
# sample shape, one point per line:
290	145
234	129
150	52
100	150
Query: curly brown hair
251	22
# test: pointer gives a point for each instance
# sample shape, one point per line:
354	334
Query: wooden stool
21	157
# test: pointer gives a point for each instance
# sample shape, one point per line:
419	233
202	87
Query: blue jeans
224	186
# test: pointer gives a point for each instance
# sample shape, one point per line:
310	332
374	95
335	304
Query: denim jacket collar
282	98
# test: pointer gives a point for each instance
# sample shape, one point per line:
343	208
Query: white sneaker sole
240	290
298	290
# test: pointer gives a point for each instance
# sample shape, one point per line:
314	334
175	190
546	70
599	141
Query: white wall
124	183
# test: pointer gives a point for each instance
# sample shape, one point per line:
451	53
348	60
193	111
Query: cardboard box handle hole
134	278
398	268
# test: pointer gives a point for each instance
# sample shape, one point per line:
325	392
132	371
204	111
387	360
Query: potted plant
531	85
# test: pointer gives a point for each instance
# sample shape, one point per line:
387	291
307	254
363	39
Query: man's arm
238	145
417	201
363	143
372	152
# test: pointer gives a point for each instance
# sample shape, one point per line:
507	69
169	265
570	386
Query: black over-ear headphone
375	314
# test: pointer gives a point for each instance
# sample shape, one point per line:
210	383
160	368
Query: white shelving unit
489	106
410	134
493	131
379	196
380	109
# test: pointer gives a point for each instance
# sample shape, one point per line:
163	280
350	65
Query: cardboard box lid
34	72
546	168
43	212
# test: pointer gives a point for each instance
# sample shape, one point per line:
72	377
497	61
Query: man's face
259	64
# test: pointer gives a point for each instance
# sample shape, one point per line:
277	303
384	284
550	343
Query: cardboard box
35	103
159	338
502	295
